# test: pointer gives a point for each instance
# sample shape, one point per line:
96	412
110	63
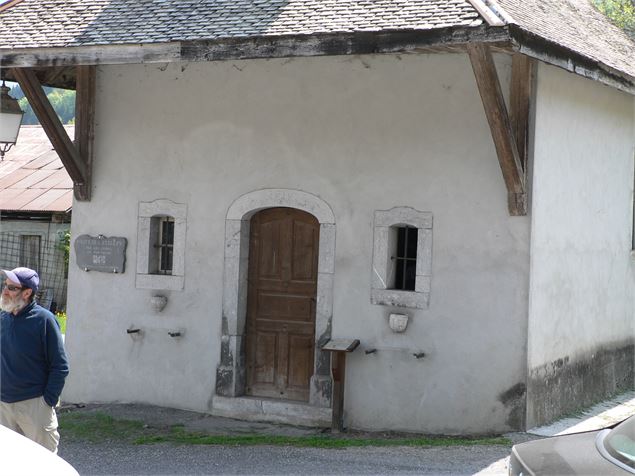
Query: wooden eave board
267	46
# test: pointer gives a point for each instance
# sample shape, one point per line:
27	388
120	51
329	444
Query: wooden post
85	125
339	372
339	348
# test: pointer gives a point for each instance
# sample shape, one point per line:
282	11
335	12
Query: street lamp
10	120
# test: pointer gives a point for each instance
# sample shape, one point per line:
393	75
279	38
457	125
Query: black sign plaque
101	253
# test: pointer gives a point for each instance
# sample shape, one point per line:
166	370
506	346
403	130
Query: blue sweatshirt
33	359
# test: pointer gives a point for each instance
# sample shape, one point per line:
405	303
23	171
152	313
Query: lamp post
10	120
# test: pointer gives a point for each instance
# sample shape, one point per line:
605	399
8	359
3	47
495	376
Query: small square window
402	258
161	245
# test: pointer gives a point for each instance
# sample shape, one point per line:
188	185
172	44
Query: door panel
303	262
283	258
265	357
300	360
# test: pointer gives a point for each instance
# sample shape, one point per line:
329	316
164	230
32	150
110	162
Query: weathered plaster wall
581	322
363	134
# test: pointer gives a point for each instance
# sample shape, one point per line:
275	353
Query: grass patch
61	320
98	427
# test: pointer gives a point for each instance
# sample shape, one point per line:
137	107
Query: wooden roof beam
500	126
74	158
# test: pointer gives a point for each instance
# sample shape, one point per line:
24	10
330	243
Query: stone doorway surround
230	399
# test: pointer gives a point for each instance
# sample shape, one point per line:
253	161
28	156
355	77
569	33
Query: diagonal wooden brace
501	128
75	159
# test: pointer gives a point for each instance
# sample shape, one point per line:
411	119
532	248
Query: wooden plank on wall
500	126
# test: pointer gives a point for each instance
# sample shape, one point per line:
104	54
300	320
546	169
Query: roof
55	23
32	177
567	33
577	26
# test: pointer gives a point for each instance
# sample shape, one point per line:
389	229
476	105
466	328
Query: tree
62	100
621	12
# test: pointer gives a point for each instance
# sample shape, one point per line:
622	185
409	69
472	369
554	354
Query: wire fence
43	252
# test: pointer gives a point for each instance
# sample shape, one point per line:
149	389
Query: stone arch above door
230	374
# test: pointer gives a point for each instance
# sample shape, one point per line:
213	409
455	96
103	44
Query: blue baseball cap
26	277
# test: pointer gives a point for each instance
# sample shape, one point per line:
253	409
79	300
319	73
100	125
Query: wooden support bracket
75	159
503	133
520	102
85	125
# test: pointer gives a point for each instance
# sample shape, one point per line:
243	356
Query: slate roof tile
55	23
578	26
573	24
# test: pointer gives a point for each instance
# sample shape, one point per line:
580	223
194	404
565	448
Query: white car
20	456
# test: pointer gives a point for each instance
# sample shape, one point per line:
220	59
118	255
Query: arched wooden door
280	326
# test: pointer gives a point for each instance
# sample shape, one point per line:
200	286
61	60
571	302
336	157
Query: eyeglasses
12	288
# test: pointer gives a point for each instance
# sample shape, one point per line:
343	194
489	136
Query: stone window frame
380	293
145	278
230	373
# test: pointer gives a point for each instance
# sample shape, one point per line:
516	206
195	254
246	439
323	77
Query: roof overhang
552	53
63	59
55	66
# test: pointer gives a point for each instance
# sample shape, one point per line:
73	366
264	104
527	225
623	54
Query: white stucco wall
363	134
582	270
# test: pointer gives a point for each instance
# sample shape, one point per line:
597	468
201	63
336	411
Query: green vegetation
61	319
621	12
62	100
178	435
64	245
98	427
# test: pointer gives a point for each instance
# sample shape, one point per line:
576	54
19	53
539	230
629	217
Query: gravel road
116	458
160	459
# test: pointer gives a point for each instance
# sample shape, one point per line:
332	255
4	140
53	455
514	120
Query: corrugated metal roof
32	177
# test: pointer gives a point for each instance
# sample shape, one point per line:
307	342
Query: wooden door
283	260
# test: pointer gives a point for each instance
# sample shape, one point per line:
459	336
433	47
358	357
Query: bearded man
33	363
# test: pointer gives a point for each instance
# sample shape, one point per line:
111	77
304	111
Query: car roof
23	457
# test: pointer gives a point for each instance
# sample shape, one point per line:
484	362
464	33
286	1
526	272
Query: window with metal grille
402	258
405	258
161	245
165	245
